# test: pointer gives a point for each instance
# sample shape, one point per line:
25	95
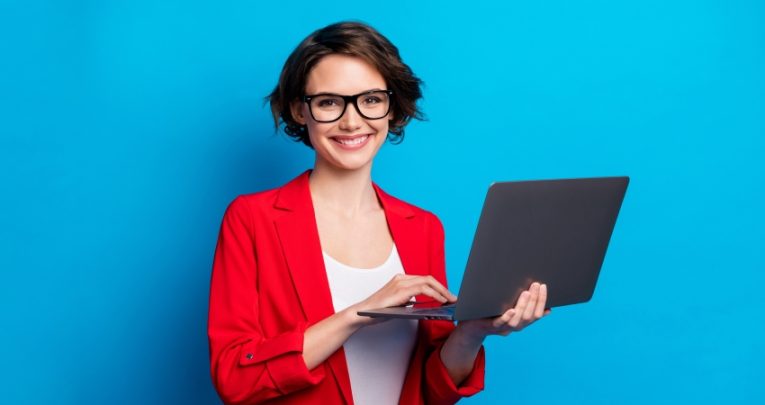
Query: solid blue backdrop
127	128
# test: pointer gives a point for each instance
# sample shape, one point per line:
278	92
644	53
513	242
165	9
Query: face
351	142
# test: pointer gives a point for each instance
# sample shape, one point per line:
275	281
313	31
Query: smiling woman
349	39
294	265
339	129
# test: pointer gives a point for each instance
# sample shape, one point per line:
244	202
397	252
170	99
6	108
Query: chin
351	164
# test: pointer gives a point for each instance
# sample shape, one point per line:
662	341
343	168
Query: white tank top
377	355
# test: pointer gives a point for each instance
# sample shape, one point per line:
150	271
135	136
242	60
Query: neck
347	192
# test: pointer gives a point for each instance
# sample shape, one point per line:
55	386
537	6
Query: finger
523	300
502	320
400	277
434	284
547	312
528	312
539	311
417	281
424	289
505	330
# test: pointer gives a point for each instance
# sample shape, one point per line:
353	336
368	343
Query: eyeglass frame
352	99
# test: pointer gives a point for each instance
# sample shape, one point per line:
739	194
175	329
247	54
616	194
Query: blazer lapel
403	226
300	243
299	238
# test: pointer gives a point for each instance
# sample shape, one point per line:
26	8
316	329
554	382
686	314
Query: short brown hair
353	39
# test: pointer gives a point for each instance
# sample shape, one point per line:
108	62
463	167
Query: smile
351	142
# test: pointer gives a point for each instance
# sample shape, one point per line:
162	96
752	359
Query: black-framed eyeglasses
329	107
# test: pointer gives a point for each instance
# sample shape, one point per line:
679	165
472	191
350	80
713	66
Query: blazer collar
299	238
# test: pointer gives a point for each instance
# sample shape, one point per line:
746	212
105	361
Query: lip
336	139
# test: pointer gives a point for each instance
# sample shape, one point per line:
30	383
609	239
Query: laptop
550	231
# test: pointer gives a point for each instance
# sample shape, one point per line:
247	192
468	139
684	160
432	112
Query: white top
377	355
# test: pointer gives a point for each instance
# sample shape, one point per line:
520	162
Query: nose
351	119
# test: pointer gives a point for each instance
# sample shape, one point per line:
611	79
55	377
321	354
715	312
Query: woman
294	265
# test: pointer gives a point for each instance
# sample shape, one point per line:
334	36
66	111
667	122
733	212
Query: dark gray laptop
551	231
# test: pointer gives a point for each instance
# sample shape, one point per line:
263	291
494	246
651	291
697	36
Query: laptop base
442	313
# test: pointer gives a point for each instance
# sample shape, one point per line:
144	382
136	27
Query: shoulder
264	204
255	200
418	211
252	202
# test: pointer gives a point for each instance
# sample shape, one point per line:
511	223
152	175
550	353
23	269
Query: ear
297	109
392	122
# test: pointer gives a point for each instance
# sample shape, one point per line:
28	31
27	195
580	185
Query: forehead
343	74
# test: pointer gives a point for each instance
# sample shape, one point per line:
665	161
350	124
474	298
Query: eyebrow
338	94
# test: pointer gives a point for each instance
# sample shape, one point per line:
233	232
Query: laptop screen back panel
552	231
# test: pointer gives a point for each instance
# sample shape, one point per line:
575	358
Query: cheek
382	126
384	131
312	134
316	130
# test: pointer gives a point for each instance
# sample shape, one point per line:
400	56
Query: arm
247	366
325	337
459	353
454	361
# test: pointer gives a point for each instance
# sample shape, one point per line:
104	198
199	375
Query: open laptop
551	231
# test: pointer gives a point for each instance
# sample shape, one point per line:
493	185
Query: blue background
127	128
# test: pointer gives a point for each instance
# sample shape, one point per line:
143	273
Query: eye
327	102
372	100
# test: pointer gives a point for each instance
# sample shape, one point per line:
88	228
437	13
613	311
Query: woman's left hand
529	308
462	346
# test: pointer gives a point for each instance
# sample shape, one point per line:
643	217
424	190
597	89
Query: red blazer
269	284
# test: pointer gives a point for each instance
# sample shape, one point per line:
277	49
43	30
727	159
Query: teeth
355	141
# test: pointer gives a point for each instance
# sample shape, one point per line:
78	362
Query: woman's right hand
399	291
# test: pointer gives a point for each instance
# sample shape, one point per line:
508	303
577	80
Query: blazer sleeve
246	366
438	386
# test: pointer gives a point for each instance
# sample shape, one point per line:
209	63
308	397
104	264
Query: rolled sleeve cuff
443	387
283	358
